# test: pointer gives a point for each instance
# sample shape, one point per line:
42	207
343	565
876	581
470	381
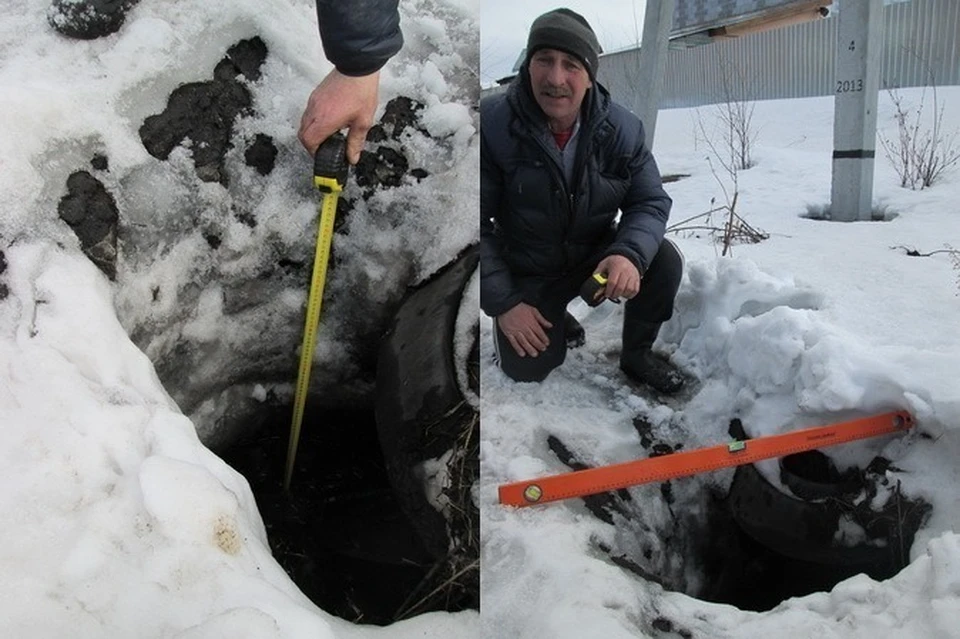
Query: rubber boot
641	364
573	331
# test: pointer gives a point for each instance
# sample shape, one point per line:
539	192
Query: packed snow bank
819	323
118	521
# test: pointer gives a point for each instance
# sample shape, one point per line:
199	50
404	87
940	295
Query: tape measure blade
328	212
321	258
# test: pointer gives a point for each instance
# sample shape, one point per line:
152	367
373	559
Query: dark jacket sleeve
498	294
644	210
359	36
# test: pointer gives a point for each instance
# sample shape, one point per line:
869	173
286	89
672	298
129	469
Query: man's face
559	82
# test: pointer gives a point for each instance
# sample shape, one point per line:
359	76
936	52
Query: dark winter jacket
359	36
536	228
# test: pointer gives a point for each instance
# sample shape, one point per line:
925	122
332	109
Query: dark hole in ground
340	533
822	213
742	572
757	546
811	475
765	546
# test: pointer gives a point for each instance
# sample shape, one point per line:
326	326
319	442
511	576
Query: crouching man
558	160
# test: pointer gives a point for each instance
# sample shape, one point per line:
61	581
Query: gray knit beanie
568	31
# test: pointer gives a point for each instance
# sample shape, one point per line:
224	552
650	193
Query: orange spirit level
615	476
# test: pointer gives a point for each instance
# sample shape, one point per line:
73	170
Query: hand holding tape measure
330	171
591	291
614	277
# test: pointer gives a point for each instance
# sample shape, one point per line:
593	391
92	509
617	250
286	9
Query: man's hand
523	325
340	101
623	278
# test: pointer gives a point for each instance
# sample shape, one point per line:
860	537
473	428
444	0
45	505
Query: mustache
555	91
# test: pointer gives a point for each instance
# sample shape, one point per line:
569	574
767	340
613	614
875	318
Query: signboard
695	16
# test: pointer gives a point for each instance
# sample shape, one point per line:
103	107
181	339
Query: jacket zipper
557	171
569	191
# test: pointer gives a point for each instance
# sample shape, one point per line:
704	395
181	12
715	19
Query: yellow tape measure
329	175
591	291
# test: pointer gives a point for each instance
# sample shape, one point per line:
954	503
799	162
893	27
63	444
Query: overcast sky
504	25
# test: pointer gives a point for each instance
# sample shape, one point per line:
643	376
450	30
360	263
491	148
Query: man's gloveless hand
524	327
340	101
623	278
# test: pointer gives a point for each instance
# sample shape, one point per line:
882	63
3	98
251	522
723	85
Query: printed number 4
853	45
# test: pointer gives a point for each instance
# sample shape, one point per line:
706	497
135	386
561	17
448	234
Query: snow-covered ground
822	321
118	522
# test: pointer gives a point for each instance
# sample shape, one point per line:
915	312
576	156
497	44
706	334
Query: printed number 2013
848	86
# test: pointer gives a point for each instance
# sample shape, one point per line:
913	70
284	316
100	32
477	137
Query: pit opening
340	533
380	523
763	546
757	544
740	571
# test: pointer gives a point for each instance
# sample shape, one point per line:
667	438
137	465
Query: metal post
857	82
657	22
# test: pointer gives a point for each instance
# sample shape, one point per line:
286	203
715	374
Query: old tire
420	409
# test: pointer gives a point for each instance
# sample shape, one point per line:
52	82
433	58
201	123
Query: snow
118	521
819	323
468	316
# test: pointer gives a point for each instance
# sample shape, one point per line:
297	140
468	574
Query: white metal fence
921	46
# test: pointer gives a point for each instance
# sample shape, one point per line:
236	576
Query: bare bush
951	252
922	152
955	263
730	141
733	229
733	134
